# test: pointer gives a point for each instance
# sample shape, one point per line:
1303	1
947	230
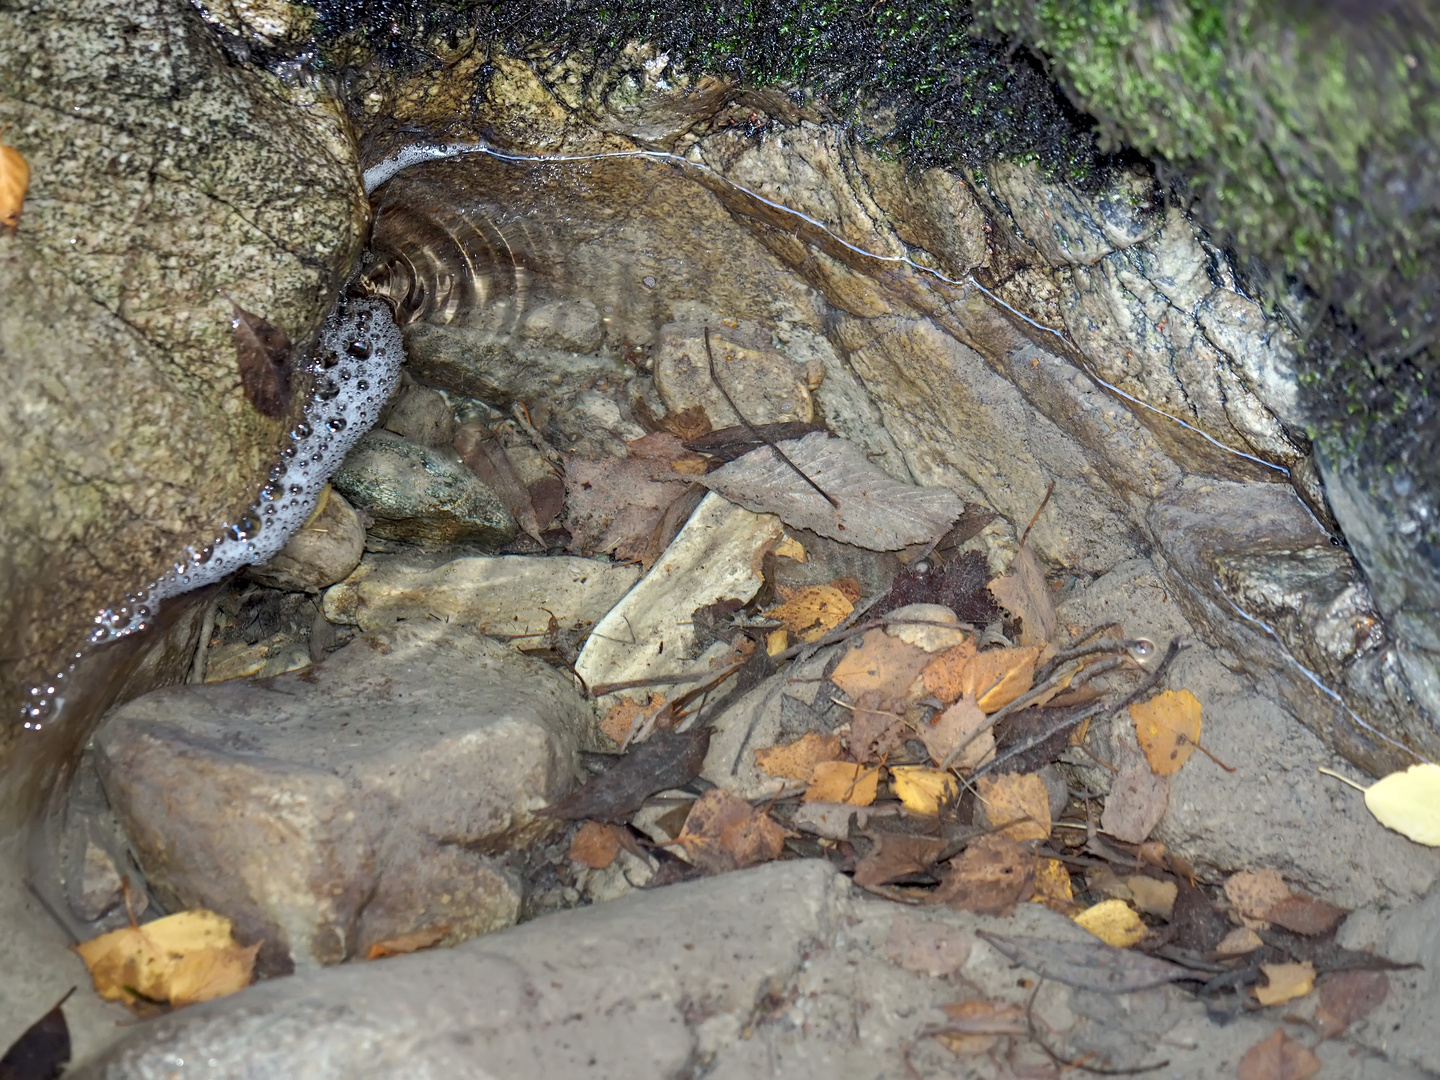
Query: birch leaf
875	510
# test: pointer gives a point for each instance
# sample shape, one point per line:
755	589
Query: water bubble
362	386
278	470
329	358
302	431
336	424
271	491
297	489
360	350
327	390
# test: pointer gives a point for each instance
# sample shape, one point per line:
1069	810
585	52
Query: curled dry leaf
186	957
1023	592
1278	1058
943	674
1286	982
483	455
14	183
897	855
813	612
402	944
843	782
923	791
874	510
595	845
881	663
797	760
1168	729
1113	922
990	877
1016	803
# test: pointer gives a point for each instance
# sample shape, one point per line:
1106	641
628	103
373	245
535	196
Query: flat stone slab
367	797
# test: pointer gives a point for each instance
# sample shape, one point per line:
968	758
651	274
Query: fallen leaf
943	674
897	855
1278	1058
43	1051
1152	897
957	583
1137	801
407	943
990	877
812	612
1168	729
951	728
874	511
1023	592
997	677
1198	926
724	833
926	948
976	1026
880	663
1113	922
829	820
849	588
624	714
1053	887
1304	915
843	782
1017	804
874	731
797	760
777	641
922	790
1088	965
1286	982
1409	803
687	424
595	845
1254	892
1348	996
790	548
1238	942
482	453
667	759
14	182
617	503
185	957
264	353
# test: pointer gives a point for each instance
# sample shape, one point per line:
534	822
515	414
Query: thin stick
1049	490
715	378
1342	779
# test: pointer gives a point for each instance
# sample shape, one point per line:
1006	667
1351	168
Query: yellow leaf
197	947
843	782
211	973
1287	982
790	548
813	611
998	677
14	182
1052	885
797	760
777	641
1409	803
1168	729
1018	798
923	790
881	663
1113	922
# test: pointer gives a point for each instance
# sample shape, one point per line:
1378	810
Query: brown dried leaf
999	676
1019	802
879	663
14	182
843	782
1023	592
797	760
264	353
595	845
812	612
483	455
1278	1058
196	947
1348	996
619	502
1255	892
1151	896
624	715
926	948
875	511
990	877
874	731
980	1017
1137	801
952	727
730	443
1168	729
943	675
1286	982
897	855
402	944
667	759
1304	915
687	424
725	833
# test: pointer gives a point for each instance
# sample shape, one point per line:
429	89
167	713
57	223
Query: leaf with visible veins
264	353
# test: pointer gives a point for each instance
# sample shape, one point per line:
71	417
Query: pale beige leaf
1022	592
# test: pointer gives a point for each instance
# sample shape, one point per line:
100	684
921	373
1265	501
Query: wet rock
766	386
590	425
159	172
504	596
493	366
323	552
375	794
420	495
568	325
1068	226
239	660
422	415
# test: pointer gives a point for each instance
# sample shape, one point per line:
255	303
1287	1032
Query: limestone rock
504	596
421	495
766	386
369	796
423	416
320	554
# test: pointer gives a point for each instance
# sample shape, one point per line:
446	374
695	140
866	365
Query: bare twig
715	378
1049	490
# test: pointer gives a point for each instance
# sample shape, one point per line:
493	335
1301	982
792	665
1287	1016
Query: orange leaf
998	677
1286	982
843	782
943	674
14	182
595	845
407	943
797	760
1024	594
724	832
1168	729
813	611
1278	1058
624	714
